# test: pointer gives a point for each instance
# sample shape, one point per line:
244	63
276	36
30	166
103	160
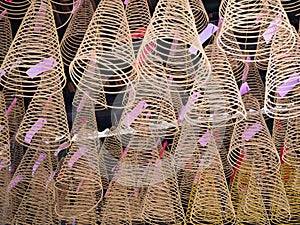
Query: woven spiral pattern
4	135
5	36
14	9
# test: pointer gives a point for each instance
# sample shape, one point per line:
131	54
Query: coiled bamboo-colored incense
107	43
78	185
45	117
5	156
210	201
33	60
290	153
200	15
290	6
6	215
251	141
223	7
218	99
14	9
76	30
278	134
283	80
172	44
138	17
245	19
5	36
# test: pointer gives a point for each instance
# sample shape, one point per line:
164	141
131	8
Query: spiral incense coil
210	201
255	16
200	15
152	112
78	185
136	200
162	201
223	7
5	36
290	6
17	153
283	81
66	6
6	215
75	31
279	133
291	179
291	150
45	117
111	51
14	9
138	17
91	217
217	100
36	40
38	200
251	142
172	43
4	135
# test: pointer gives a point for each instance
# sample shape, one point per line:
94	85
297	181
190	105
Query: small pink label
144	53
190	102
244	88
163	149
128	120
38	162
79	186
3	13
12	104
15	181
284	88
205	138
77	155
1	127
34	129
126	2
61	147
77	4
50	178
249	132
271	30
138	33
41	67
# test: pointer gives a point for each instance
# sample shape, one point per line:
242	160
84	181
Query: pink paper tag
40	15
144	53
79	186
205	138
34	129
163	149
3	13
61	147
1	127
271	30
8	0
38	162
128	120
249	132
288	85
11	107
41	67
15	181
51	176
77	155
190	102
3	72
77	4
126	2
259	18
138	33
244	88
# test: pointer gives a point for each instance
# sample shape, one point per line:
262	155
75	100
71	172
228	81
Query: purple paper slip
3	72
138	109
249	132
205	138
244	88
288	85
51	176
77	4
12	104
126	2
15	181
207	32
190	102
77	155
271	30
245	73
41	67
34	129
1	127
38	162
3	13
61	147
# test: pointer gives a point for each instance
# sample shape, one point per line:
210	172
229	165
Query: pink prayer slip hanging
126	2
3	72
138	109
205	138
76	6
77	155
244	88
145	52
34	129
190	102
50	178
38	162
15	181
41	67
288	85
249	132
138	33
12	104
246	69
3	13
272	28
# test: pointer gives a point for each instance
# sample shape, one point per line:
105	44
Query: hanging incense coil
217	100
14	9
4	135
5	36
255	16
200	15
251	141
171	43
136	200
111	52
138	16
6	216
291	149
152	112
75	31
36	40
45	117
283	81
78	185
290	6
279	133
38	200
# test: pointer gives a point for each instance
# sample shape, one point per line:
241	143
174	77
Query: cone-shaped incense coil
76	30
38	200
200	15
218	99
223	8
283	81
108	44
33	59
152	112
14	9
138	16
5	202
279	133
45	117
251	141
4	135
167	43
136	200
290	5
210	198
254	16
162	201
78	185
291	151
291	179
5	37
